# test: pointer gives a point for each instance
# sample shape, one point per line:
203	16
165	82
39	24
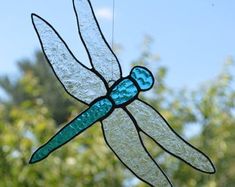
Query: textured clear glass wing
154	125
77	79
123	138
102	57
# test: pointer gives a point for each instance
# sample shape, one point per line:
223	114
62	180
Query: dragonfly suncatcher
112	100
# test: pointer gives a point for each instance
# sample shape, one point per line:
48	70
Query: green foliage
48	88
211	108
38	105
214	106
86	161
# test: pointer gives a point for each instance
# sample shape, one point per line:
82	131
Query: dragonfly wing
101	55
156	127
124	140
79	81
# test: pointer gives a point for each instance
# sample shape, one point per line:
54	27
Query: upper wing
100	54
124	140
78	80
156	127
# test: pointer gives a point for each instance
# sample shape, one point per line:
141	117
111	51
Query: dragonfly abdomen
94	113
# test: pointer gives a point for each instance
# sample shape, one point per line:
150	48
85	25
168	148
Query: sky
193	37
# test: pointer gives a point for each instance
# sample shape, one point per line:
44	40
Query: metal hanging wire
113	24
112	41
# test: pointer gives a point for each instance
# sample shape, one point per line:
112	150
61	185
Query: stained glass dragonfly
112	100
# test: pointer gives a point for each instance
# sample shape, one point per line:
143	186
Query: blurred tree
214	107
27	125
52	93
211	108
28	120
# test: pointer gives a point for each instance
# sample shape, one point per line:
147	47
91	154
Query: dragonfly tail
38	155
94	113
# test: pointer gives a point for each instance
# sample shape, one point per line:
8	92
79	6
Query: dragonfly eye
143	77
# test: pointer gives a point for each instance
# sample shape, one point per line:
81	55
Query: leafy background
192	37
37	106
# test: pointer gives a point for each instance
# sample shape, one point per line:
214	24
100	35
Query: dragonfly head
143	77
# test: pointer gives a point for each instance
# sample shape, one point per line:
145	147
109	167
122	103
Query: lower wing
124	140
157	128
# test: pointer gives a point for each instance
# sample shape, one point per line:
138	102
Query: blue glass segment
143	77
86	119
124	92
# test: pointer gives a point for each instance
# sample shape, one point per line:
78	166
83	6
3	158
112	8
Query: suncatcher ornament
112	100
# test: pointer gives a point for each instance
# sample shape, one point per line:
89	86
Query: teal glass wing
78	80
102	57
124	140
156	127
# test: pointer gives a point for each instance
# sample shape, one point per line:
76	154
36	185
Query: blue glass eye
143	77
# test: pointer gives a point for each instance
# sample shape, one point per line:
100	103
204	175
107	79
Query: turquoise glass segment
86	119
143	77
124	92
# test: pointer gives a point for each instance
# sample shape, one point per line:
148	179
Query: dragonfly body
112	100
123	92
95	112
